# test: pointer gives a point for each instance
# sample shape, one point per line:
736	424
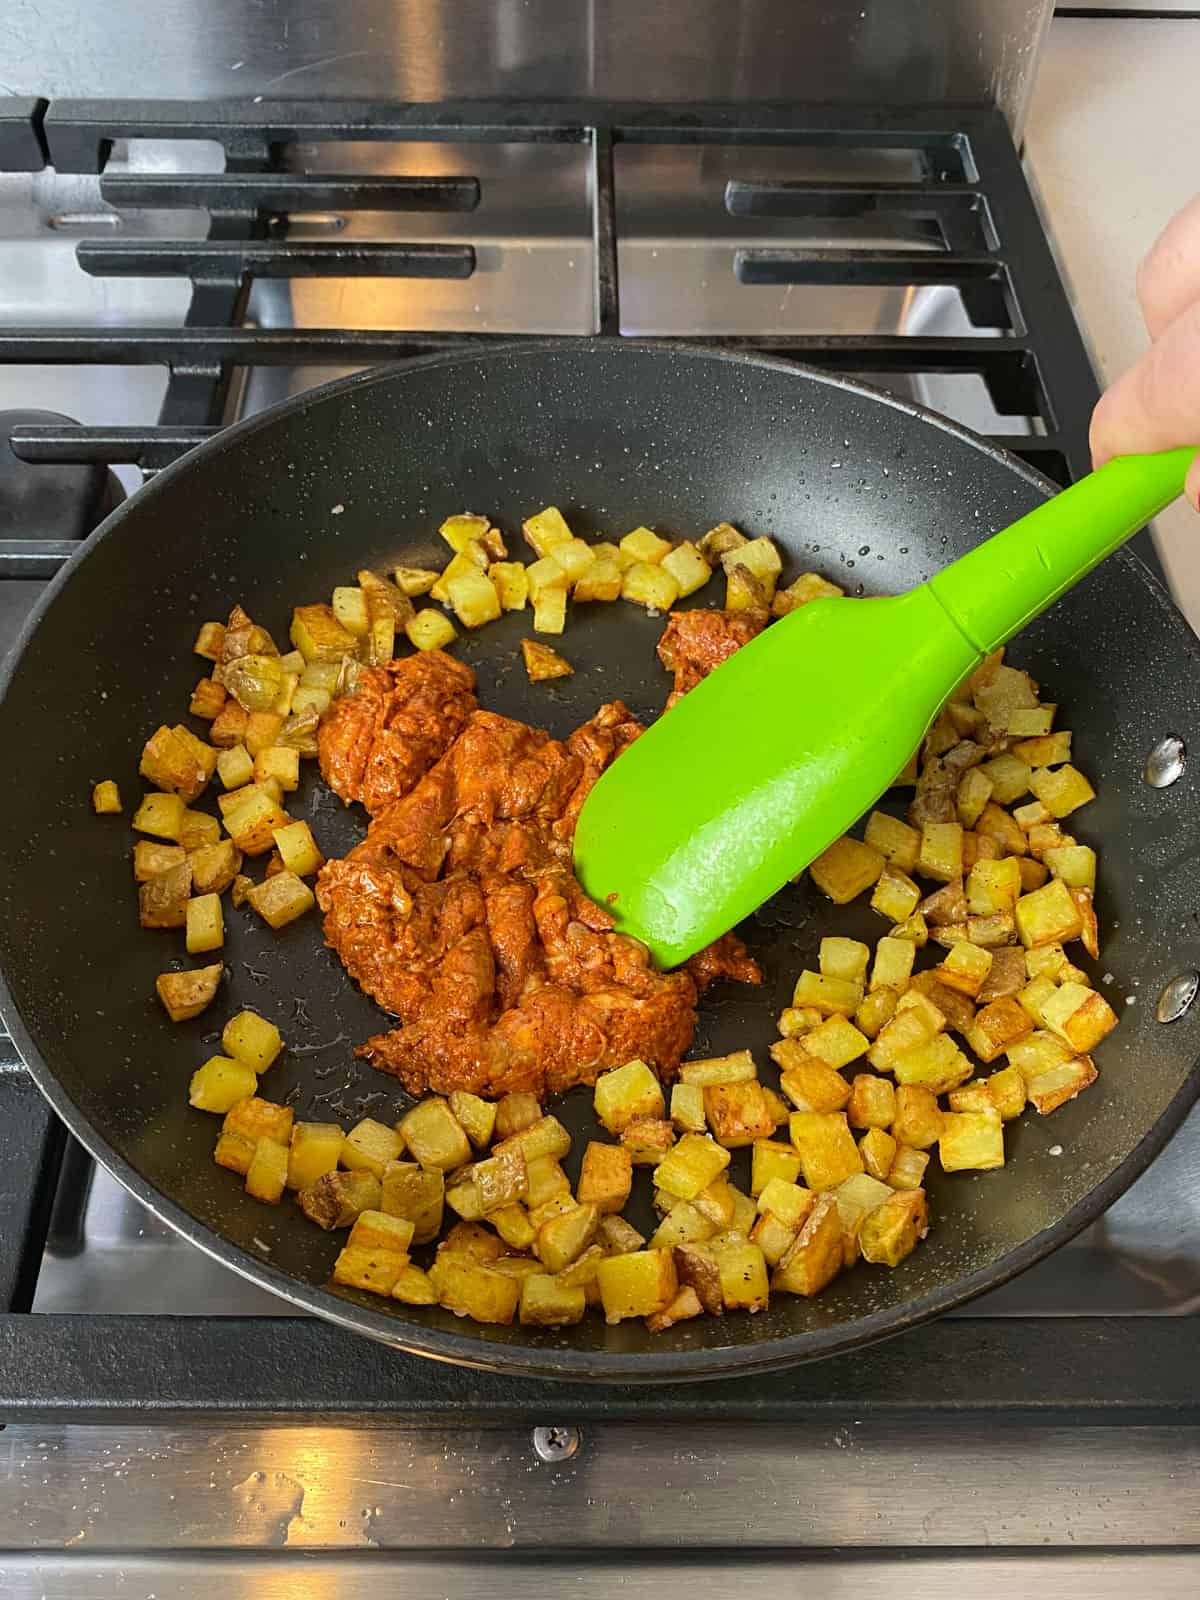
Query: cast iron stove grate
970	196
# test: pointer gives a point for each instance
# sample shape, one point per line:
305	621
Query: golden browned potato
542	663
185	994
163	900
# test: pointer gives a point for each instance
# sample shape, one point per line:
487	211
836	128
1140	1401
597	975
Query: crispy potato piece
470	1290
826	1147
163	900
267	1173
430	630
1048	916
160	815
281	899
298	849
687	1108
106	798
512	584
550	611
150	860
829	996
185	994
846	869
816	1256
546	1302
647	1140
625	1093
370	1146
219	1084
198	829
477	1117
1079	1017
234	1152
937	1064
205	924
319	636
564	1238
434	1136
228	727
808	586
606	1177
649	585
516	1112
336	1199
251	818
971	1140
176	761
965	969
918	1120
691	1166
215	866
1053	1088
210	640
872	1102
997	1027
893	1230
738	1113
639	1284
314	1151
542	663
809	1084
645	547
688	567
878	1150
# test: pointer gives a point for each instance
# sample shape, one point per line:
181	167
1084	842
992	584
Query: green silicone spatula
781	749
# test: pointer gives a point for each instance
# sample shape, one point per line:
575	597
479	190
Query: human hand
1156	404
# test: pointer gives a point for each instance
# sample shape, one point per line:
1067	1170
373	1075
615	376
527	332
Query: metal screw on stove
555	1444
1165	763
1177	996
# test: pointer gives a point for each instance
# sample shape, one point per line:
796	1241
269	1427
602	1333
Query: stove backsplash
839	51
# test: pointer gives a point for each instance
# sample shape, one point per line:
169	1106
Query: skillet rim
558	1362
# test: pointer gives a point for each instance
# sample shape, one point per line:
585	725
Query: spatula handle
994	590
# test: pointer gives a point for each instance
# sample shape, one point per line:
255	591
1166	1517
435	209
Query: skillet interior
277	511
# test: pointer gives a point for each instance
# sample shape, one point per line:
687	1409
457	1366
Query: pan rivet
1165	763
555	1444
1177	996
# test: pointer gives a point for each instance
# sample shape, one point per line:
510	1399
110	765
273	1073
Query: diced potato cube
944	907
1079	1017
691	1166
377	1230
998	825
414	581
638	1284
771	1161
1009	776
548	1303
1008	1092
844	958
809	586
470	1241
738	1067
205	924
647	1140
878	1151
511	583
470	1290
514	1113
1050	750
993	886
1030	722
907	1029
413	1287
1033	874
829	996
687	1108
349	605
336	1199
106	798
255	1118
1034	996
280	763
185	994
210	640
267	1173
965	969
809	1084
234	1152
971	1140
998	1027
252	1039
787	1201
817	1255
601	581
370	1146
434	1136
918	1120
895	840
973	1096
893	1230
219	1084
649	585
738	1113
688	567
893	963
478	1117
541	662
417	1194
176	761
318	635
544	576
550	611
160	815
298	849
251	823
628	1092
828	1153
376	1271
575	557
264	728
743	1274
547	529
896	896
1061	790
545	1137
606	1177
773	1237
163	899
941	851
314	1150
1053	1088
759	557
228	727
645	547
151	860
281	899
430	630
846	869
836	1042
1048	916
563	1239
876	1011
473	598
872	1102
856	1199
1075	864
974	792
462	1196
908	1168
719	541
512	1223
463	530
198	829
937	1064
235	766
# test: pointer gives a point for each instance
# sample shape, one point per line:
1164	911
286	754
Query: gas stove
166	268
